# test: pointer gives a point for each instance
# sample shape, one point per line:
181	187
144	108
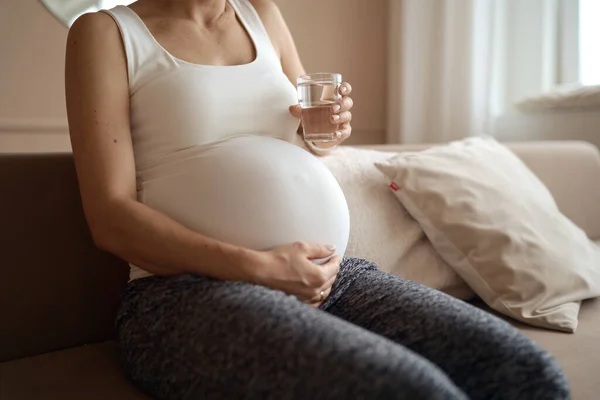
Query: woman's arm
284	45
97	93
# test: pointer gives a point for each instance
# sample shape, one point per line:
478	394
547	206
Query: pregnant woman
184	122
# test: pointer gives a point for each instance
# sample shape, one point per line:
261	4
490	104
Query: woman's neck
206	12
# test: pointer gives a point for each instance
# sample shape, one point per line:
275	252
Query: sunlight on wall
589	32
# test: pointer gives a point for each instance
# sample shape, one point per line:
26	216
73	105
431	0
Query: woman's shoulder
96	31
92	22
267	10
94	39
271	18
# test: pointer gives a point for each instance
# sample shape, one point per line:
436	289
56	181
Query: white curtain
456	65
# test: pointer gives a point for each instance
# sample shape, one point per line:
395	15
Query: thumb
296	110
319	251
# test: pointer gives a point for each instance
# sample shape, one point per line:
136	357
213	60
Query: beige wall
32	111
347	36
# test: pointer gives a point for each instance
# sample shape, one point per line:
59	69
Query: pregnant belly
254	192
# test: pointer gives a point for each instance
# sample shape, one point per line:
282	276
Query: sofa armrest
570	170
57	289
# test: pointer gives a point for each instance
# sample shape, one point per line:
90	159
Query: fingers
345	104
341	118
345	89
329	272
331	267
344	132
314	251
341	113
323	294
296	110
329	283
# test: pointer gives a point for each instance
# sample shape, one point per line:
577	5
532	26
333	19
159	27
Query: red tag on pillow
394	186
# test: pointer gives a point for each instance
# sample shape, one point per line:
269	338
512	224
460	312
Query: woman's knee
553	383
532	373
371	367
491	359
508	365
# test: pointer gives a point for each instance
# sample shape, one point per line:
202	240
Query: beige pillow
380	228
498	226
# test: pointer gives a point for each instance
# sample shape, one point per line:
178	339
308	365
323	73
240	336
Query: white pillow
380	228
498	226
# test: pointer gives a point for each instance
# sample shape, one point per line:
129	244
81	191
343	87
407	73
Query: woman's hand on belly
290	268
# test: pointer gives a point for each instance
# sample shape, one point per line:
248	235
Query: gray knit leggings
377	336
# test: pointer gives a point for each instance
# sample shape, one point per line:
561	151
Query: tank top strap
256	29
141	49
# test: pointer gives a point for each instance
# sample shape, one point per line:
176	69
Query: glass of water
317	93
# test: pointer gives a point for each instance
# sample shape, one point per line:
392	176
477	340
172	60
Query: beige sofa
59	294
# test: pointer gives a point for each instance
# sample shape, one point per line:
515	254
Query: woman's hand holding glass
341	115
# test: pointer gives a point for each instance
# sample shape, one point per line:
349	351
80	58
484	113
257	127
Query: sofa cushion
381	230
53	279
87	372
577	353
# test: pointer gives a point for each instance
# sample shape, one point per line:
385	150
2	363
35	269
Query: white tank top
182	113
177	105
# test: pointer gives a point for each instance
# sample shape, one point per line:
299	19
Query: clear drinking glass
316	95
